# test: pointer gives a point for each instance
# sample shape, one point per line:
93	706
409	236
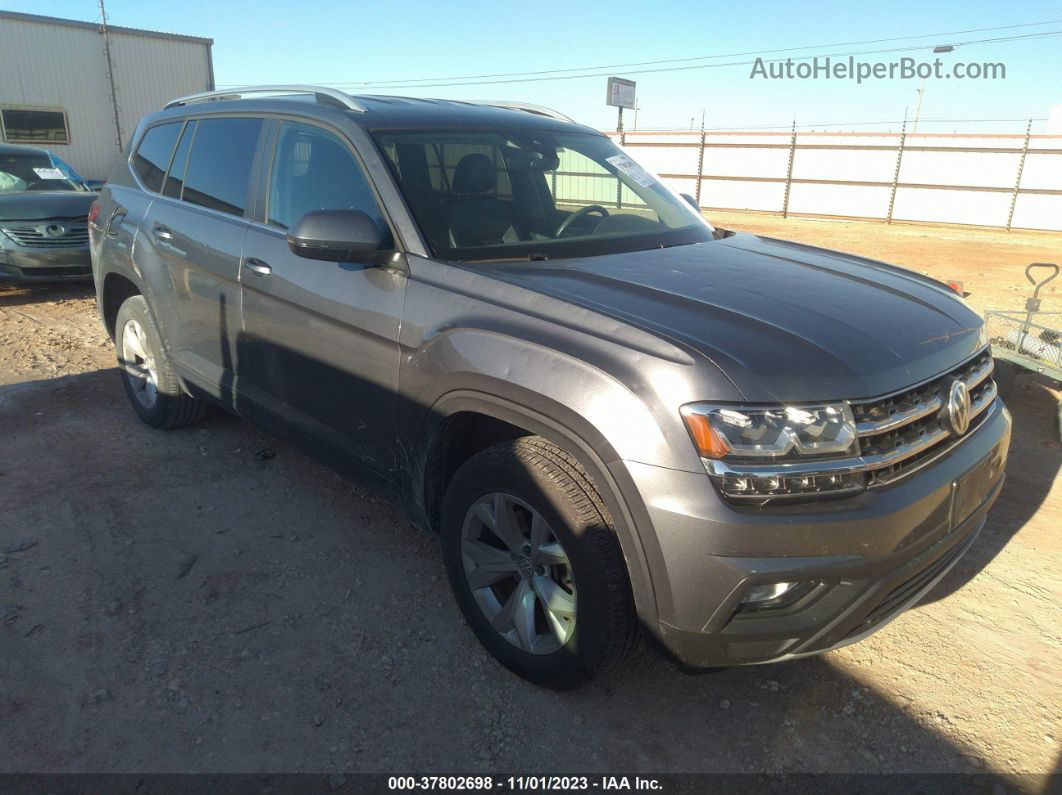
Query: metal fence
1007	181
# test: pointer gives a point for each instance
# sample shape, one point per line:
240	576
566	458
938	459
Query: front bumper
71	263
870	557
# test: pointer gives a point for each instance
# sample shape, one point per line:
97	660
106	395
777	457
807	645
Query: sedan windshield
32	171
531	194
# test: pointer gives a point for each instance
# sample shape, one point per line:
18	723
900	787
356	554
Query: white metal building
56	84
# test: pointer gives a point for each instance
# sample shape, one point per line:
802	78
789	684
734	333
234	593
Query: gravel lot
211	600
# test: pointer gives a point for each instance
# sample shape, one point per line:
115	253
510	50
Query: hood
783	321
40	205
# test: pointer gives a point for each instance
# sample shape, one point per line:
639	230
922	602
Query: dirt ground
181	602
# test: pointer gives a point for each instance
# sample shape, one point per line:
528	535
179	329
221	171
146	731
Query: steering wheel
580	213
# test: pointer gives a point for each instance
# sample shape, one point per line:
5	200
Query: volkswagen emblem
55	230
956	414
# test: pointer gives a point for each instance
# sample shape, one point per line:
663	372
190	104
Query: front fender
596	405
561	426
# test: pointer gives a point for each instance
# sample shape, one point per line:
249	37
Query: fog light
774	595
767	592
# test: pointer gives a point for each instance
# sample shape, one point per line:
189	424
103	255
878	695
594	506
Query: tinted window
153	154
314	170
175	179
481	195
34	125
220	164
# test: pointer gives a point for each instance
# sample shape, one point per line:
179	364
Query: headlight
767	452
771	432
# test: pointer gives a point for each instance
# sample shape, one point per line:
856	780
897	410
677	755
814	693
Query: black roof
387	112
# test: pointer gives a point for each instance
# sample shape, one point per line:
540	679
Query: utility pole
637	108
110	75
918	107
896	171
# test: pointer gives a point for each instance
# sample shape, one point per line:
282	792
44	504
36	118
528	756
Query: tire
558	614
147	374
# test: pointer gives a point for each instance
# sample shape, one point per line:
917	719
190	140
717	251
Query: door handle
257	266
162	232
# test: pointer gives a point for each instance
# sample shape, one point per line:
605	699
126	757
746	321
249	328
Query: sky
330	42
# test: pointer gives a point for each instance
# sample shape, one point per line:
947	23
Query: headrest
474	174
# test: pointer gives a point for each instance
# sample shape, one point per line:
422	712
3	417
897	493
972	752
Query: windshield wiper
535	257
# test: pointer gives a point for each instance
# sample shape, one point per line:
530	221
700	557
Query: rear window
153	154
219	167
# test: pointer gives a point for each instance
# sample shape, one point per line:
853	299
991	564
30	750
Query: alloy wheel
519	573
139	364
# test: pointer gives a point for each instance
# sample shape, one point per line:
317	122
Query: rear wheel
148	377
535	566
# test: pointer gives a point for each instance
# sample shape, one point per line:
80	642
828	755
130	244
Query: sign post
620	96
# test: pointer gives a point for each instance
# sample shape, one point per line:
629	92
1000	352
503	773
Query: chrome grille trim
917	418
924	406
34	236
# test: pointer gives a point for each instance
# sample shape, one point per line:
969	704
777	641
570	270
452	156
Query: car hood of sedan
783	321
43	205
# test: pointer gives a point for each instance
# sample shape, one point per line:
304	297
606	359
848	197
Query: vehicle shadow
229	610
12	294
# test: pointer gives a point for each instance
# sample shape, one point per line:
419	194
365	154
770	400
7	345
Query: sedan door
319	350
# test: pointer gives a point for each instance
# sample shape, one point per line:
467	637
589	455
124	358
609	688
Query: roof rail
323	94
524	106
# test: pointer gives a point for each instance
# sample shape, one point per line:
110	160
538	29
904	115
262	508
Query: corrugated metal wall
53	66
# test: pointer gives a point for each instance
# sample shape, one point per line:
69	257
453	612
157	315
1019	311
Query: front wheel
535	565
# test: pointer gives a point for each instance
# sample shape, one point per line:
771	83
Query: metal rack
323	94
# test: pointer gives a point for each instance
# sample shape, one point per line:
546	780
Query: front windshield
532	194
31	171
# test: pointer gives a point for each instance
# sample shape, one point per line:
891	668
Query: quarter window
314	170
219	168
175	177
153	154
46	126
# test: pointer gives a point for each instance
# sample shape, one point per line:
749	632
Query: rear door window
219	167
153	155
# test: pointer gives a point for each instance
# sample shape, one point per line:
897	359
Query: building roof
74	23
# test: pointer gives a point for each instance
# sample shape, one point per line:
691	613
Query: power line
996	40
407	81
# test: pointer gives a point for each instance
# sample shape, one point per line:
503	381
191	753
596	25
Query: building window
34	126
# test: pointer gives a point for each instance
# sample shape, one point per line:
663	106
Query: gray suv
620	421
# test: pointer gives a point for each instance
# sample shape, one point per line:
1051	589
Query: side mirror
334	235
692	202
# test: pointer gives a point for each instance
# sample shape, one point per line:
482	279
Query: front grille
901	431
897	434
38	236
